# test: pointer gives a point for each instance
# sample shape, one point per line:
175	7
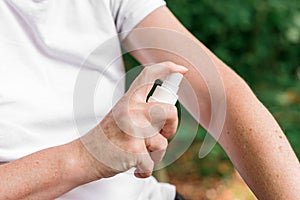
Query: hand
134	133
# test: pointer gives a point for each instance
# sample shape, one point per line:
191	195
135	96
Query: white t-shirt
43	43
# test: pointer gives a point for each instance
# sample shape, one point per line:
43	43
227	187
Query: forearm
118	143
115	145
251	136
254	141
46	174
257	146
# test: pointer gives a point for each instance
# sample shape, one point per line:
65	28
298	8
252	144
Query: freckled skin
251	135
50	173
271	174
42	171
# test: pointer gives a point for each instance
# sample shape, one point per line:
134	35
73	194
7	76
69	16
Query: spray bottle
167	92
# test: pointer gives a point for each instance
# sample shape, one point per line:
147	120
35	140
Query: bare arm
46	174
251	136
115	145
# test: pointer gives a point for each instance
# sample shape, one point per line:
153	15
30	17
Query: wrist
79	164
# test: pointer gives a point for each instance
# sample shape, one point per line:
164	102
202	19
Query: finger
163	117
157	146
144	82
145	165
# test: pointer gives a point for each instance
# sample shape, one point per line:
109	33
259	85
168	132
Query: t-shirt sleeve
128	13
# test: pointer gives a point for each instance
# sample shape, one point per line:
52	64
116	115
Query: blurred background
260	40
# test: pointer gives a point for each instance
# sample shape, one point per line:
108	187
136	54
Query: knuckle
164	143
172	110
151	166
169	112
136	148
146	71
162	112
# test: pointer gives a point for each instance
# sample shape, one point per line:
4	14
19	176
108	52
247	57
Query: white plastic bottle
167	92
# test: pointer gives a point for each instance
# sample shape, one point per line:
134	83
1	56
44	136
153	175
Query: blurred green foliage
260	40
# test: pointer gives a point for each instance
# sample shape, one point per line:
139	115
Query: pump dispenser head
167	92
